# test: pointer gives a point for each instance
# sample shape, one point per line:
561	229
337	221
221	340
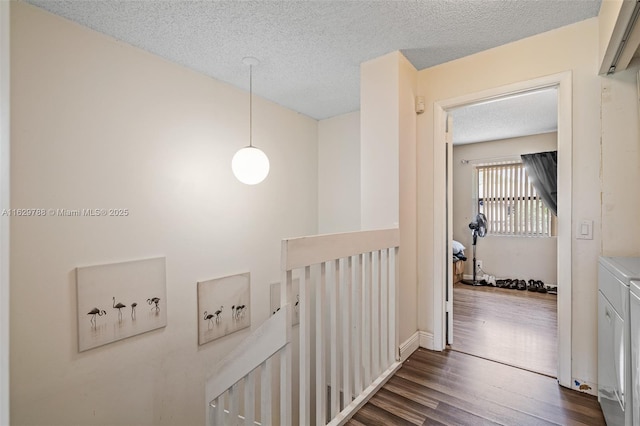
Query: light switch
585	230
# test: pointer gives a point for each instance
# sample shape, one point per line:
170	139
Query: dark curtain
542	169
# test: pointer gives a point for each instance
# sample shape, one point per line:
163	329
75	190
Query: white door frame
563	81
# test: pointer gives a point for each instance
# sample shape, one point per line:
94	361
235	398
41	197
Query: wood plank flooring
453	388
514	327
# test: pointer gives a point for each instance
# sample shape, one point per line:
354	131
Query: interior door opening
502	305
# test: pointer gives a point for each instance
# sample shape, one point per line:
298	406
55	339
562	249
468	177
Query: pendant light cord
251	105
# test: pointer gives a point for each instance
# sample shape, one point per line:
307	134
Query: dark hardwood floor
514	327
453	388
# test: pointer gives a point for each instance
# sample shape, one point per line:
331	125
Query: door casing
443	204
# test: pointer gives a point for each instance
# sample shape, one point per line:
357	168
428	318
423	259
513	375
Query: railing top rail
305	251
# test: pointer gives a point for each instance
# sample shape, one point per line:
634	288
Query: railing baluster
234	401
393	344
333	345
249	398
384	309
218	411
356	316
345	294
265	392
286	356
366	337
321	389
305	348
375	313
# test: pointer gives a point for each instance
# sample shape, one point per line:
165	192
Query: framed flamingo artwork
120	300
223	306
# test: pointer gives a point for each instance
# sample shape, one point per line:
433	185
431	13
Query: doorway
443	264
507	311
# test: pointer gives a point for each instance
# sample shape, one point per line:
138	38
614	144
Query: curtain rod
515	157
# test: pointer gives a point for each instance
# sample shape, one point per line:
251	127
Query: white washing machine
634	302
614	339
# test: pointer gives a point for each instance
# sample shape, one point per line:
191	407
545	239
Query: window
510	202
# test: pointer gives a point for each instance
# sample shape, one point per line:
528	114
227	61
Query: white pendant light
250	165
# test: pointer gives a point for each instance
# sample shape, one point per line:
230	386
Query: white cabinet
635	350
610	362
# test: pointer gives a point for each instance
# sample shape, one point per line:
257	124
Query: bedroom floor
517	328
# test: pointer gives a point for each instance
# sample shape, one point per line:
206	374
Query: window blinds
510	202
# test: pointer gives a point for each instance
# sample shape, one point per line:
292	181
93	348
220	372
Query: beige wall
339	173
388	165
507	257
99	124
572	48
620	164
379	142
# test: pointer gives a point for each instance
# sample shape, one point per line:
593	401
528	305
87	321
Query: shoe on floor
541	288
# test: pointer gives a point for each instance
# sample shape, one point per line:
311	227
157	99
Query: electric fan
478	229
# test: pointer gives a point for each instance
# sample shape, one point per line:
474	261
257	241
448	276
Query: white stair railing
347	343
252	359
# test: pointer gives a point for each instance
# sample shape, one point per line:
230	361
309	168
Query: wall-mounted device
419	104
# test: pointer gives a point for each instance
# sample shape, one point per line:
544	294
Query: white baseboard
409	346
426	340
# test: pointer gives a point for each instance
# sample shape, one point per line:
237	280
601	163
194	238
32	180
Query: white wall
97	123
339	173
572	48
620	164
502	256
4	204
388	165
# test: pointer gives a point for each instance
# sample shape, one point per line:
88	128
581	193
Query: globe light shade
250	165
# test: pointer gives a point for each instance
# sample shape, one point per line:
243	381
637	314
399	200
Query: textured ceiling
529	113
310	51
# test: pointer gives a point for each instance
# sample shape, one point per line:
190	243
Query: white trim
564	83
302	251
426	341
4	204
409	346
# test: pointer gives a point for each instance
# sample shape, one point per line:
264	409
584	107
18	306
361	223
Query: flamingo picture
120	290
119	307
240	311
156	301
209	317
217	314
93	313
236	311
220	309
